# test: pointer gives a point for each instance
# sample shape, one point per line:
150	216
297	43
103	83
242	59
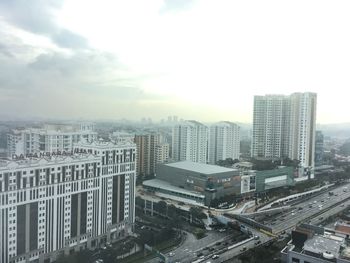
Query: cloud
68	39
38	17
177	5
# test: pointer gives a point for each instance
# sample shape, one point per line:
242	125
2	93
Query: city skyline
195	59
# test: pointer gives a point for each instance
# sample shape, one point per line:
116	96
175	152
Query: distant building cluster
62	189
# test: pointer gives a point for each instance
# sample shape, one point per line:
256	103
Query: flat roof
200	167
156	183
320	244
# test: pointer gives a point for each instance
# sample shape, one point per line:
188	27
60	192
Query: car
258	242
200	254
171	254
293	214
243	249
321	218
222	230
215	256
256	237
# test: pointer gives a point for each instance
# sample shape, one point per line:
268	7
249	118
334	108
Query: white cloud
215	55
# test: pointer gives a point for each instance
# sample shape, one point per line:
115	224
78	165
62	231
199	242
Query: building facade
210	180
314	244
162	153
284	126
189	142
224	141
59	204
269	179
50	138
146	153
270	126
319	148
303	130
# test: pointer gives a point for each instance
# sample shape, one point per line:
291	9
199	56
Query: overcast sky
201	60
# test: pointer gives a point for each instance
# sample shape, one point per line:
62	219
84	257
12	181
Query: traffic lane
208	254
191	249
329	213
306	209
289	221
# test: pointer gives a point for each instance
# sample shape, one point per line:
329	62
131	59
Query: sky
197	59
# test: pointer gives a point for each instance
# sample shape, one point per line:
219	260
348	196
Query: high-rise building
63	203
284	126
269	126
189	142
303	129
146	153
162	152
319	147
151	150
224	141
50	138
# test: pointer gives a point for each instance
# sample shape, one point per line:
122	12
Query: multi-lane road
313	210
310	208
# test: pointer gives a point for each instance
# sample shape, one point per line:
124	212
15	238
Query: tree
227	163
262	165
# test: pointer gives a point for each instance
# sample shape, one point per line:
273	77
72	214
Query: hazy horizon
201	60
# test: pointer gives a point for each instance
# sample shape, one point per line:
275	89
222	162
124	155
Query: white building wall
224	141
190	142
41	181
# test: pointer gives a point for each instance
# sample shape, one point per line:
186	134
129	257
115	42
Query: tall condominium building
269	126
59	204
319	147
303	128
150	151
284	126
224	141
189	142
146	153
162	152
50	138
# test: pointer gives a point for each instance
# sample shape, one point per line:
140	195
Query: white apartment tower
189	142
224	141
50	138
284	126
55	204
303	128
162	152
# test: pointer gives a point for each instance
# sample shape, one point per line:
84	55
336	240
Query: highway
313	210
307	209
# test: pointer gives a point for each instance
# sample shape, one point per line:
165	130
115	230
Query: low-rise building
212	181
312	244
